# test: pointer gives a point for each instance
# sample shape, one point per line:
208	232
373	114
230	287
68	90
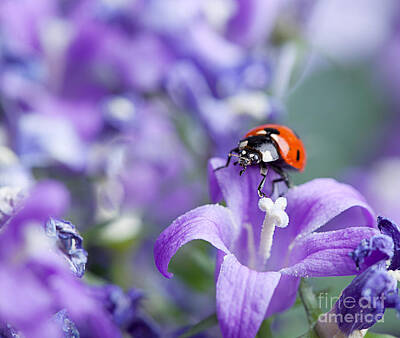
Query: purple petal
326	253
311	206
212	223
239	192
284	296
315	203
243	296
201	43
47	199
253	21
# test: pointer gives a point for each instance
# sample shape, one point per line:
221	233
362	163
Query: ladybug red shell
291	147
270	146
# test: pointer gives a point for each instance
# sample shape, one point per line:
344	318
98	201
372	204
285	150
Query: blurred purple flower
252	254
253	21
364	301
148	164
34	146
124	309
7	331
380	182
69	241
62	69
224	101
36	283
10	201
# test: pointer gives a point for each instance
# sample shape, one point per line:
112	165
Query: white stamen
275	216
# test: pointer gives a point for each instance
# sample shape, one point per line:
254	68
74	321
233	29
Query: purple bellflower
35	281
363	302
263	250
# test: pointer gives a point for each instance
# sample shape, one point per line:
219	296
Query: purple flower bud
373	250
392	230
69	241
364	301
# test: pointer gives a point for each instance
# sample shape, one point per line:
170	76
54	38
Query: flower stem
309	301
203	325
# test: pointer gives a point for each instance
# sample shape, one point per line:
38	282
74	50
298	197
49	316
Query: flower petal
243	296
326	253
315	203
47	199
284	296
212	223
311	206
239	192
253	21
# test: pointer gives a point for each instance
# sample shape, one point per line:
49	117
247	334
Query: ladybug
270	146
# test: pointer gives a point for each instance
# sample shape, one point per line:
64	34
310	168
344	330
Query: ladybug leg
284	177
263	172
228	160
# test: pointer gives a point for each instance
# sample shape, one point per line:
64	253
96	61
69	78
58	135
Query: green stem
205	324
310	302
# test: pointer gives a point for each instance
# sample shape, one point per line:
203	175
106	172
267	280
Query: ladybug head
248	157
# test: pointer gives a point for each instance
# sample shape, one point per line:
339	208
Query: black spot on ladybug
298	155
272	131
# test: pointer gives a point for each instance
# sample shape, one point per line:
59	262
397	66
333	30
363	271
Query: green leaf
205	324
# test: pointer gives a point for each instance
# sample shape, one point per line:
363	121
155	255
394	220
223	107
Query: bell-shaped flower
265	247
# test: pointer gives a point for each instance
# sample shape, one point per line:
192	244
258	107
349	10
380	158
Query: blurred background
124	102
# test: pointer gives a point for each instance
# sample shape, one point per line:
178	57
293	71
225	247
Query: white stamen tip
275	211
281	202
265	204
275	216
